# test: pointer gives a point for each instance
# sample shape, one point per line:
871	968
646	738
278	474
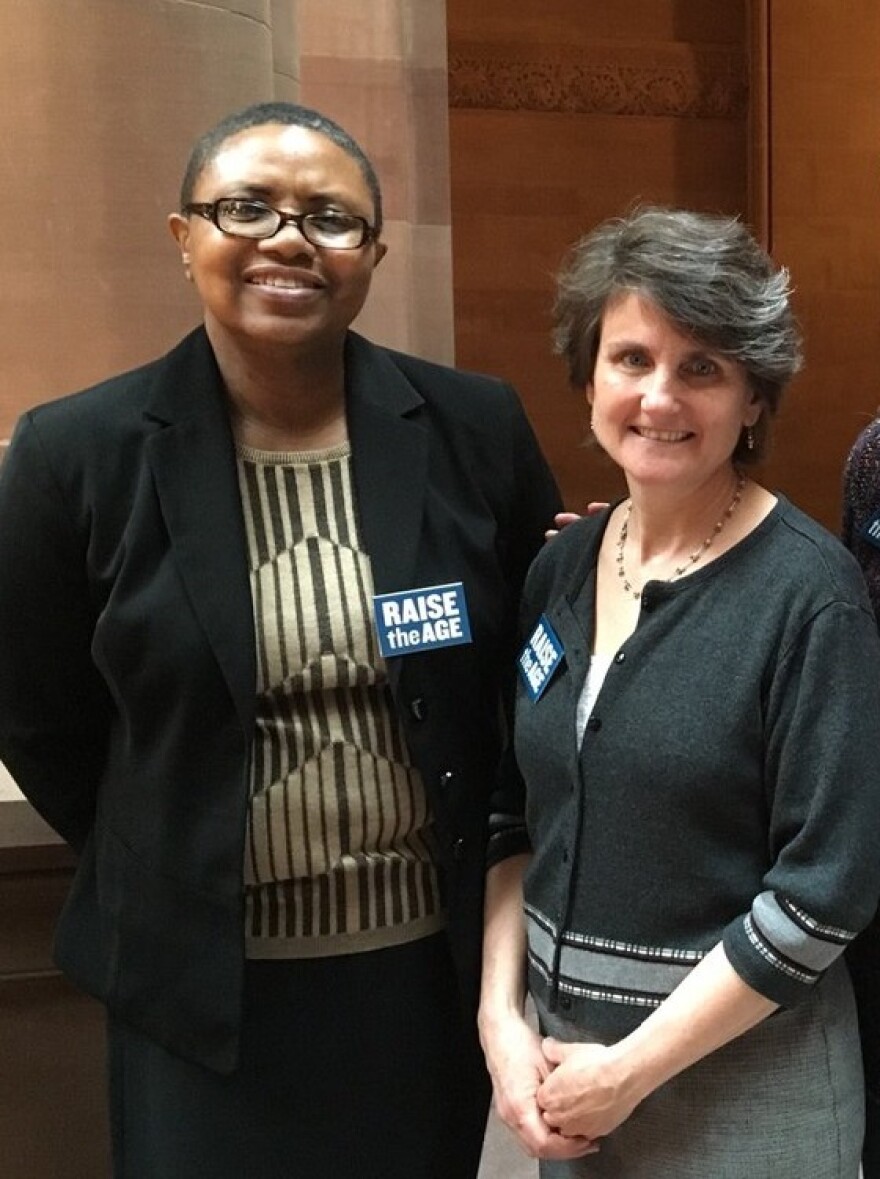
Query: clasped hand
558	1098
587	1092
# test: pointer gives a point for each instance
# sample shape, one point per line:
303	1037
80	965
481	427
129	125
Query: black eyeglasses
257	220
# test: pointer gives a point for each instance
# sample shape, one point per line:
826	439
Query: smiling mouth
277	283
663	435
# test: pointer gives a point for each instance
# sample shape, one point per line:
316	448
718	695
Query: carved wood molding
677	81
759	206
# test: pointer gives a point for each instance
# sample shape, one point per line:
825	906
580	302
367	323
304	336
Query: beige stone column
100	101
379	68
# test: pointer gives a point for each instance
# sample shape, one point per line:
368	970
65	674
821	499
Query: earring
750	438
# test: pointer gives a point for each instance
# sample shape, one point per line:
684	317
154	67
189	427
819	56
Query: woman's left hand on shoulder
590	1091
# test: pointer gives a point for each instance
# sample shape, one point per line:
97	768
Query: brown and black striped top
340	846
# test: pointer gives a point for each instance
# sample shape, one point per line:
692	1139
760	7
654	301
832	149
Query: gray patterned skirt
784	1101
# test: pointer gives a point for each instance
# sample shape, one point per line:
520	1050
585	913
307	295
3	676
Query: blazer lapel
193	462
192	457
390	462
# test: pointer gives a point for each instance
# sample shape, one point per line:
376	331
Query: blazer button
594	724
458	849
446	778
418	708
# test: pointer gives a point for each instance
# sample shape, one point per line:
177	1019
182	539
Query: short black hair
288	114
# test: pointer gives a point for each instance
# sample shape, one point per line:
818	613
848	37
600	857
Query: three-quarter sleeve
822	770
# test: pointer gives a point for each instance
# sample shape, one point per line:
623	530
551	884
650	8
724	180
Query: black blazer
127	653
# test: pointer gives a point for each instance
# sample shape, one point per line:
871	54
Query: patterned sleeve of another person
861	507
861	526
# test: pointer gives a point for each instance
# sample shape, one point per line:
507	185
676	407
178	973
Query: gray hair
707	274
288	114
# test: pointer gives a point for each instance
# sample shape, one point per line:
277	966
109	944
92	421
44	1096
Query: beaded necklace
695	556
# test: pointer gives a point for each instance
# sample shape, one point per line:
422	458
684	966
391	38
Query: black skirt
354	1066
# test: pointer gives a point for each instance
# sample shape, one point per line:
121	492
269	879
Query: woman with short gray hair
696	842
708	274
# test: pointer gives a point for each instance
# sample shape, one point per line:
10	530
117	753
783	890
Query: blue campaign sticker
420	619
871	531
539	658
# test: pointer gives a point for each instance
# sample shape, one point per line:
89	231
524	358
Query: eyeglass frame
208	210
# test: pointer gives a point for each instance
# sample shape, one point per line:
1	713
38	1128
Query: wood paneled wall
52	1063
563	114
823	195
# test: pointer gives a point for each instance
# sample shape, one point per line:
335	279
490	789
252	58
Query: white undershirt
596	673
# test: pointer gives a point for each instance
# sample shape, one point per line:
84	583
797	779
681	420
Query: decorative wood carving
678	81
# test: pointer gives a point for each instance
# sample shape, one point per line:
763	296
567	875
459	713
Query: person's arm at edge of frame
861	497
862	470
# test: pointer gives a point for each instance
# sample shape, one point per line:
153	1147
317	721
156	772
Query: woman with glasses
697	726
257	612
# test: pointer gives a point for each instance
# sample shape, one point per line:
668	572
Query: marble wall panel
381	73
285	50
349	29
94	142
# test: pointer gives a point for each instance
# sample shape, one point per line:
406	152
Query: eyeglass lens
257	220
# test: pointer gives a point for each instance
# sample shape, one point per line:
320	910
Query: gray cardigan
727	786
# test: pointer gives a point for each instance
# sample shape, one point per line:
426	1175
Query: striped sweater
340	850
